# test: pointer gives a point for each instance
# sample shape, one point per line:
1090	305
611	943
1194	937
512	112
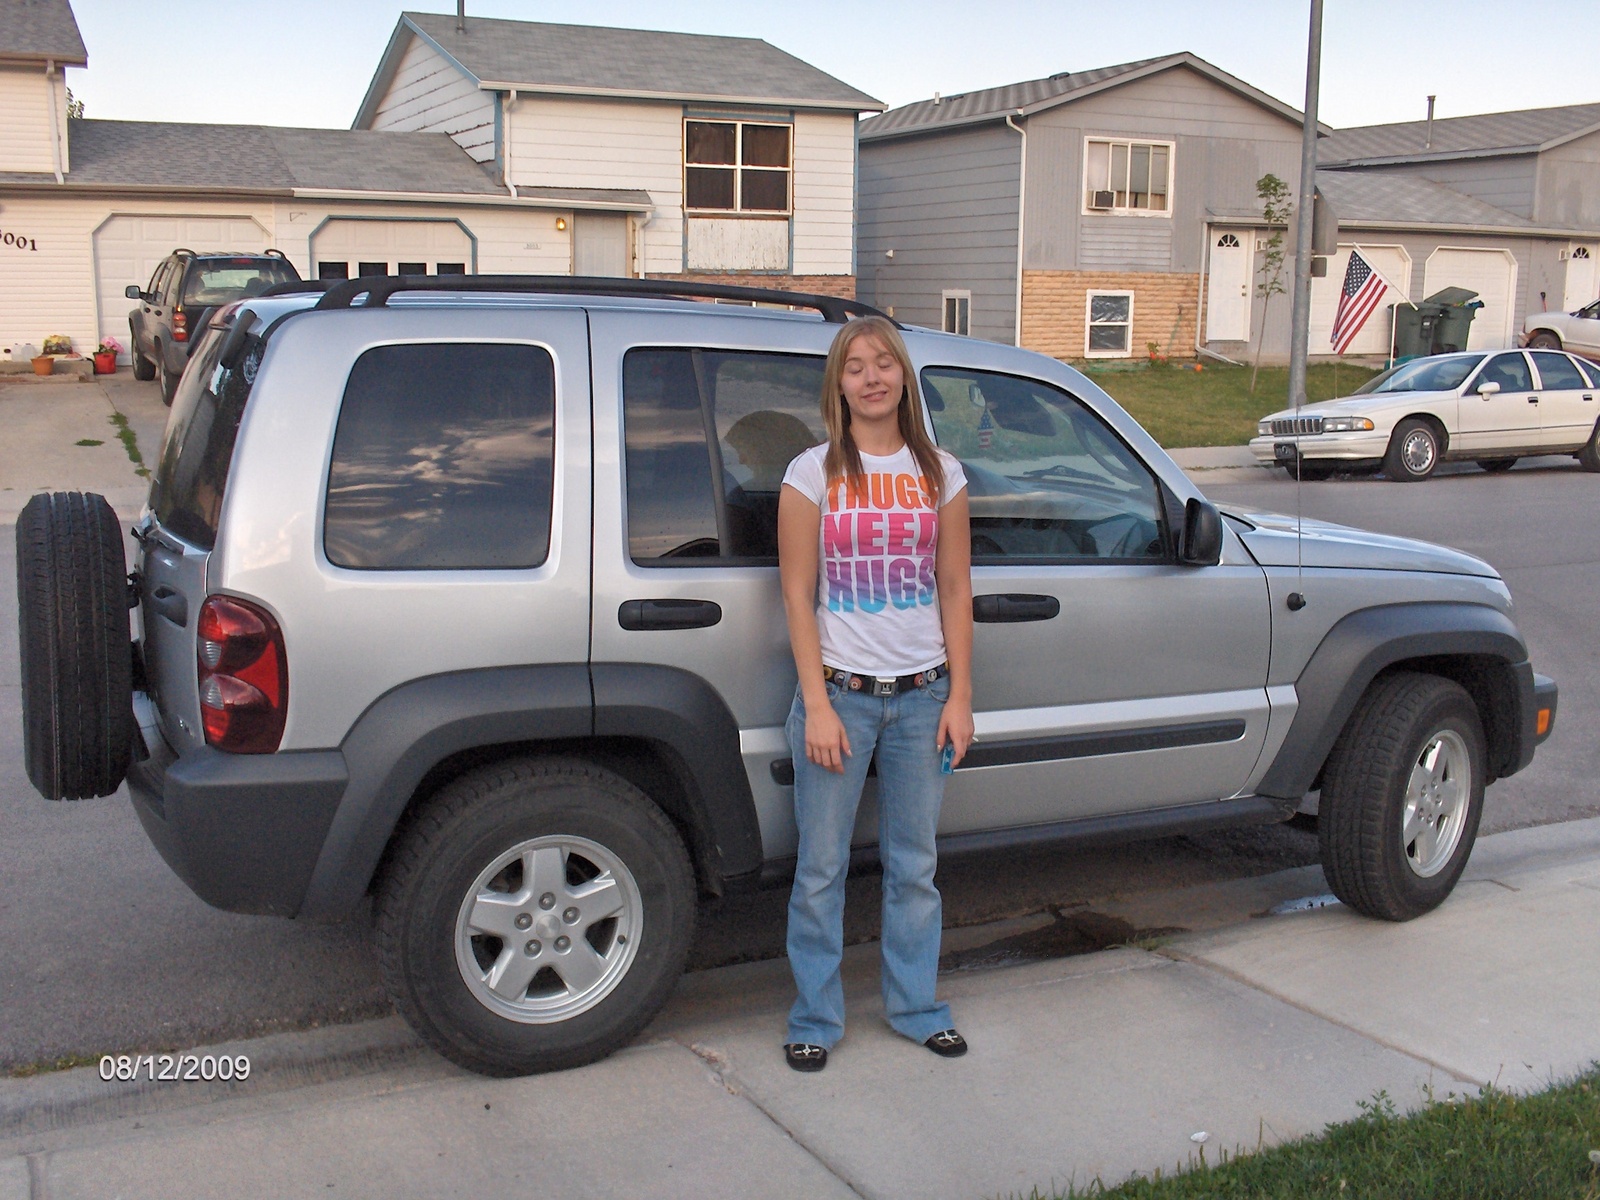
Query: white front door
1582	285
1228	289
129	247
600	245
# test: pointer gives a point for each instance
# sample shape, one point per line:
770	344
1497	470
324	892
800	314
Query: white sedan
1576	331
1491	408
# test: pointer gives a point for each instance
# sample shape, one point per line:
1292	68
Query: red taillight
244	676
180	325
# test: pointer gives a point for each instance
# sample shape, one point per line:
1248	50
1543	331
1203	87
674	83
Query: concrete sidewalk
1260	1030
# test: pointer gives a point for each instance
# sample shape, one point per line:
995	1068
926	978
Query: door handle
1013	607
171	604
1588	396
1533	399
668	614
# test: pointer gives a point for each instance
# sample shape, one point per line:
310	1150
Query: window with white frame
958	311
737	166
1109	321
1127	177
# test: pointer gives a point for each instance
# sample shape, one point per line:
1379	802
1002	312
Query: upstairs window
1128	177
736	166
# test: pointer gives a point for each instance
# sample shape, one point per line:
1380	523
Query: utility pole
1300	325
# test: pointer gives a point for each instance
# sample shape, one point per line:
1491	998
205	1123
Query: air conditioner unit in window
1102	199
1563	255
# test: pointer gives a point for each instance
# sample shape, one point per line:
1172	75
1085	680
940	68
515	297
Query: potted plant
105	356
43	364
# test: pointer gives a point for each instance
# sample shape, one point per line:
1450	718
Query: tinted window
223	280
1045	477
197	448
1510	371
1556	371
709	434
1421	375
1592	371
443	459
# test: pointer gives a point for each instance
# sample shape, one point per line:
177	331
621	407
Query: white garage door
345	249
128	249
1490	273
1394	265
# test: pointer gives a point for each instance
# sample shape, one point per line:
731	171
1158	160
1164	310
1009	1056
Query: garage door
1391	262
128	248
1490	273
344	249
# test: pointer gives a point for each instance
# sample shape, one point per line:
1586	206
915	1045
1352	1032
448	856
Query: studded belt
883	685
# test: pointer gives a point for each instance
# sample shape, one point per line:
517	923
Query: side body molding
1474	643
687	719
407	731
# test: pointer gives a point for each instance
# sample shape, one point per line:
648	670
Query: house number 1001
16	239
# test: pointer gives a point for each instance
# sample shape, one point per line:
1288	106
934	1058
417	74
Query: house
482	146
1113	212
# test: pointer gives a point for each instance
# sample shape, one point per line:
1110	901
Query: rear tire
1414	451
1589	456
76	649
1493	465
620	916
1402	794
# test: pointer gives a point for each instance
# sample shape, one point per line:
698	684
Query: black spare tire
77	661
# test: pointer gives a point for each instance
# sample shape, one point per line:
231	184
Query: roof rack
292	287
379	288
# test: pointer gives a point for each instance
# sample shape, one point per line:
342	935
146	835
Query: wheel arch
1476	646
664	730
1436	421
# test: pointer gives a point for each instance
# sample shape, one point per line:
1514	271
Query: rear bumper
242	830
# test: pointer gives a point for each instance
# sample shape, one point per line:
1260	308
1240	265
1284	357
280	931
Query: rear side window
1556	372
197	449
443	459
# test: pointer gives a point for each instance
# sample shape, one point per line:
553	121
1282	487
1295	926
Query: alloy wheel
1436	803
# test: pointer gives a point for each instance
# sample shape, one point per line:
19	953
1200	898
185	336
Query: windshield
1422	375
222	280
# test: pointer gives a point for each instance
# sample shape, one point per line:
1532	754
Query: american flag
1363	288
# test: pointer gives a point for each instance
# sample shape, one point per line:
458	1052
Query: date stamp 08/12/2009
174	1068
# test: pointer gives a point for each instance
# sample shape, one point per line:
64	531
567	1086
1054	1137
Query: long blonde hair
843	460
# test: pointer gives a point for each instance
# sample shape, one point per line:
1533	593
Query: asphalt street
103	949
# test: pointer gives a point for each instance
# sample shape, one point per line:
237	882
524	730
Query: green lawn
1496	1146
1214	406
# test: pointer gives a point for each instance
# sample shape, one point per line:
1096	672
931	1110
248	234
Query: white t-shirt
877	606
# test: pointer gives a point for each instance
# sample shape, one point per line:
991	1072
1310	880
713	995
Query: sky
308	62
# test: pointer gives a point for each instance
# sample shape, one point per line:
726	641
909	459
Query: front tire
1402	794
143	369
1414	451
169	381
1309	472
534	916
1544	340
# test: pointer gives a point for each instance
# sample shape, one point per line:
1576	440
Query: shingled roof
1526	131
1037	95
40	30
1387	199
264	158
586	60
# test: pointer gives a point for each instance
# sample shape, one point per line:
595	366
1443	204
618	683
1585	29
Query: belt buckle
882	686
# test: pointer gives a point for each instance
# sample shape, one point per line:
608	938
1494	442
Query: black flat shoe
947	1043
803	1056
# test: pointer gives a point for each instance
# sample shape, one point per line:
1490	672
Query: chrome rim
548	929
1437	795
1417	452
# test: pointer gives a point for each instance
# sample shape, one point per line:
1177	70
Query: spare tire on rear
77	660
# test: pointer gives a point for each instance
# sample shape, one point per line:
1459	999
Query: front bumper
1332	447
242	830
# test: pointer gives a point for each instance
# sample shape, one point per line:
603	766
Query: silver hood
1273	544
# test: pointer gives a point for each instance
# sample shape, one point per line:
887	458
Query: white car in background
1488	407
1578	331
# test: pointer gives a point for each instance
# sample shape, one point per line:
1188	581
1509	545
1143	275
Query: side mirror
1200	544
1491	388
132	292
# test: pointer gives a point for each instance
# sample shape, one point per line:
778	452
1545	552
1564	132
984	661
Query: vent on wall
1563	255
1102	199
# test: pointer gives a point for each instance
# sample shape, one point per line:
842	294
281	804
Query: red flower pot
105	364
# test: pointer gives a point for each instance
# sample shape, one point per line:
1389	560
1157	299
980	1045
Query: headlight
1263	428
1345	424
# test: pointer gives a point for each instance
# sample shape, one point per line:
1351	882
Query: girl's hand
827	744
955	725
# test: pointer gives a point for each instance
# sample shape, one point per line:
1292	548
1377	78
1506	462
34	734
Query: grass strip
1214	406
130	443
1494	1146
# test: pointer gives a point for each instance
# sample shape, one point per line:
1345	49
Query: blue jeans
902	730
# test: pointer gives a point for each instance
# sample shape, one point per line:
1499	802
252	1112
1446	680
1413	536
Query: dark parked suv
185	289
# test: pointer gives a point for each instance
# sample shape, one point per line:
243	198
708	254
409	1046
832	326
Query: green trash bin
1456	307
1414	330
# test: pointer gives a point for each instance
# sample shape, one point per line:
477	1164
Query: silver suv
463	593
